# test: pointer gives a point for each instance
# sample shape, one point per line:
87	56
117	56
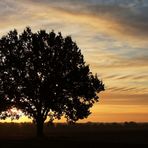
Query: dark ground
90	135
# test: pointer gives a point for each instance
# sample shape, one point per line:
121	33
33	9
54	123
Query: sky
113	37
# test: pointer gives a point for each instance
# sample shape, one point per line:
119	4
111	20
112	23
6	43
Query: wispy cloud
126	18
124	98
116	17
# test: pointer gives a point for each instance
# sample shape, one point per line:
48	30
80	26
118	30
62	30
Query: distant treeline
98	124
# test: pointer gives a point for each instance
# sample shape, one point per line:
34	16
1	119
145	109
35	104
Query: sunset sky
113	37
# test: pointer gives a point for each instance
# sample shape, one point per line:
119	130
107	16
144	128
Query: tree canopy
45	75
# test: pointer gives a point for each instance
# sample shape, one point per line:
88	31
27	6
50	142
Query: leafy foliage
44	74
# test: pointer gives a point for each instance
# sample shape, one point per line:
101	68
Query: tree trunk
40	126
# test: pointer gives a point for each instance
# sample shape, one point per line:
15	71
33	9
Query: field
88	135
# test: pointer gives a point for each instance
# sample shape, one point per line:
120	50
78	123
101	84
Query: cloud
126	18
109	17
110	60
124	98
126	89
124	77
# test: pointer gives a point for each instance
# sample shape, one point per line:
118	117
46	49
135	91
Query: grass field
89	135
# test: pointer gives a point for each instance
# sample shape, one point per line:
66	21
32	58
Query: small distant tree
45	75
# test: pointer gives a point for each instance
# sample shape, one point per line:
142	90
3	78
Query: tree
45	75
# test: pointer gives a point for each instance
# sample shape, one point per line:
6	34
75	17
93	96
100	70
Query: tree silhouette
45	75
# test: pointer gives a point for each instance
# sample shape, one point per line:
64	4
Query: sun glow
15	115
